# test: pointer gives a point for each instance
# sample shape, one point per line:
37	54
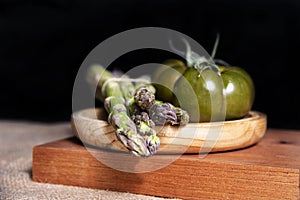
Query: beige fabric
16	142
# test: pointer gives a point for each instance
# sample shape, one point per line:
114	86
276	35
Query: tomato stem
206	66
201	63
198	62
215	47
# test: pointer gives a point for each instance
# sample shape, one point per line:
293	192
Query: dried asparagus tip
146	85
127	134
153	144
144	98
143	116
162	114
144	129
134	143
144	124
146	118
182	116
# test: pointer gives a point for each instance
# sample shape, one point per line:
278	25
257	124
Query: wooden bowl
90	127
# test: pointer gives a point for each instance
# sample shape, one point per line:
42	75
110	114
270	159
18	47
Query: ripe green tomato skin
165	77
160	69
198	94
238	91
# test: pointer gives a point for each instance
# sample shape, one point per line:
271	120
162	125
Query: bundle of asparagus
133	110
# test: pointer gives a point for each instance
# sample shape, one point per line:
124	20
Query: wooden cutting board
267	170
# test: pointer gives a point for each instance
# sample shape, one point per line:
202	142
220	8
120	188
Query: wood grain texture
267	170
91	127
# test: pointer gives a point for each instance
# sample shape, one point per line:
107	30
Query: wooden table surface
267	170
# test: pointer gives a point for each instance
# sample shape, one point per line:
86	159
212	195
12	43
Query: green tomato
239	90
165	77
203	94
200	95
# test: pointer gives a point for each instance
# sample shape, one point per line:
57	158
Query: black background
43	43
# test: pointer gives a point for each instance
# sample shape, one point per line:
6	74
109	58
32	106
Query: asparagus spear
115	105
124	100
161	113
165	113
143	123
144	98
